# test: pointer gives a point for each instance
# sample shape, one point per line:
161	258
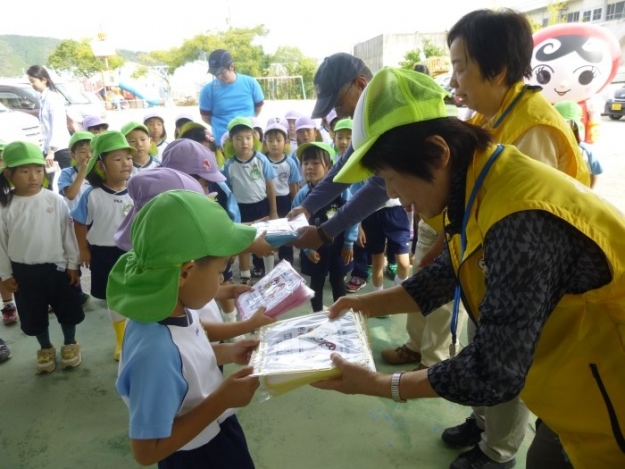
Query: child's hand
11	284
241	351
362	238
239	388
347	254
82	167
259	319
236	290
261	247
74	276
85	258
313	256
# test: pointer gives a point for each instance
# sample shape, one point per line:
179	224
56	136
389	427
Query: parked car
615	107
20	96
19	126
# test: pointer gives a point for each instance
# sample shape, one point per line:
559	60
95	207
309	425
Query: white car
15	125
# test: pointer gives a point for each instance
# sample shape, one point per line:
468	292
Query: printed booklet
296	351
281	290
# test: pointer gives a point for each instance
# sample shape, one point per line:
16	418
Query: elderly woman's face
429	198
467	79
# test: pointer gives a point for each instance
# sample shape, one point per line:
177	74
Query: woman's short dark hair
405	148
497	41
39	72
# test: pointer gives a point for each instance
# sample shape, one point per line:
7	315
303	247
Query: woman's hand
354	379
345	303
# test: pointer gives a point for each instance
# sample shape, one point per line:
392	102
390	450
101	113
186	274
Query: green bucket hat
393	98
106	142
22	153
324	146
229	151
344	124
130	126
572	112
173	228
79	137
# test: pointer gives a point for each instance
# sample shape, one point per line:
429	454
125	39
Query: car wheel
614	117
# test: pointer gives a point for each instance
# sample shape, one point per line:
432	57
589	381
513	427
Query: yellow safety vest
525	107
576	383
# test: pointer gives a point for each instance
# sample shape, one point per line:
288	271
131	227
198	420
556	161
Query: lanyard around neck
514	102
463	238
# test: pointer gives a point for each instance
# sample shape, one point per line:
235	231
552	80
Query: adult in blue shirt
231	95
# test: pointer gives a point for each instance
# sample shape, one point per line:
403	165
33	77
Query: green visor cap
106	142
393	98
324	146
229	150
244	121
22	153
130	126
79	137
173	228
344	124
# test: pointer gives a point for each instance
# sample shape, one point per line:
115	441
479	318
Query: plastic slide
151	101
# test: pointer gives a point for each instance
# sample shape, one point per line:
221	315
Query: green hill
17	53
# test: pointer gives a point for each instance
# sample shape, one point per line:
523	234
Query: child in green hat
180	406
72	181
39	254
138	137
100	211
251	179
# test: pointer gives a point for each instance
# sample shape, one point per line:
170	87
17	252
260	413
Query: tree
414	56
249	59
76	57
296	64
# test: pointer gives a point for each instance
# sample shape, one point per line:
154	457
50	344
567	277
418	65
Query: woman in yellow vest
537	258
491	53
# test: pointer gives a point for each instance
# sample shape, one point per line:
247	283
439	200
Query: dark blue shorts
228	271
41	285
283	205
389	229
255	211
228	450
103	258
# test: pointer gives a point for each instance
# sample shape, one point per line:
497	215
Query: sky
317	27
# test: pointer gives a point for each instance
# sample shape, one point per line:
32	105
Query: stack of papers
281	290
296	351
281	231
